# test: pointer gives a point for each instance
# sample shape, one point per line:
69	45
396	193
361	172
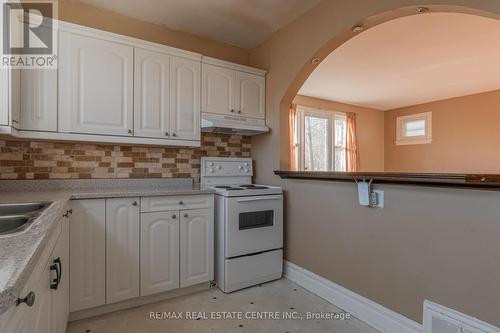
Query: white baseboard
372	313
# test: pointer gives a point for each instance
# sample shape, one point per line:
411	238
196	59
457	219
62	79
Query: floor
274	300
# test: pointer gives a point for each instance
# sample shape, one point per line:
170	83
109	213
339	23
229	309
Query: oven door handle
263	198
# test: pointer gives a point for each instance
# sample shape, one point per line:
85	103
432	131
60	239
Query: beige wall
370	124
75	12
465	137
426	243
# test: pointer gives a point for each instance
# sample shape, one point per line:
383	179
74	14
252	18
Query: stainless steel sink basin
22	208
14	223
17	217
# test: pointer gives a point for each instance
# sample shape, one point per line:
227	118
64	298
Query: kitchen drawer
179	202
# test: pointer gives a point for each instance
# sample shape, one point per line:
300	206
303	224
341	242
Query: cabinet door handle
173	134
56	266
29	299
181	202
239	111
167	134
69	211
232	110
130	131
174	216
186	215
134	203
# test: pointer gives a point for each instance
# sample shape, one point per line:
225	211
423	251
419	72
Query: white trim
402	140
129	41
129	140
230	65
371	313
138	301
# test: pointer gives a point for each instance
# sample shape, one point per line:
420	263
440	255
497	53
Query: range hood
219	123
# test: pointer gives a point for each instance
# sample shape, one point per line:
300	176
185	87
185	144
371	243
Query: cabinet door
196	246
250	95
39	102
159	252
4	96
217	89
95	86
41	317
151	94
87	254
60	297
122	249
185	98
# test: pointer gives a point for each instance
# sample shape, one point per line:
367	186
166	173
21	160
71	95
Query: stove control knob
246	164
247	171
240	167
219	167
211	170
210	163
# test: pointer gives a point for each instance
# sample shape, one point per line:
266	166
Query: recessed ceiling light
357	28
315	60
422	10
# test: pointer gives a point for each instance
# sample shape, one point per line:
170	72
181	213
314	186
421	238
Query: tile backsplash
63	160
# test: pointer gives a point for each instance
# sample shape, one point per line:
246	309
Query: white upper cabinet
4	97
233	89
95	85
250	95
151	94
122	249
159	252
39	102
185	77
218	89
196	246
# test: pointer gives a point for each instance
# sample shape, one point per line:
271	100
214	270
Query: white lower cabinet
197	246
87	254
60	297
122	249
159	252
119	253
45	298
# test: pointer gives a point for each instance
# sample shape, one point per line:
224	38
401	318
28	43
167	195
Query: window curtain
292	120
352	150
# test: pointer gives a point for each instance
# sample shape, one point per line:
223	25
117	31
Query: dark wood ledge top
425	179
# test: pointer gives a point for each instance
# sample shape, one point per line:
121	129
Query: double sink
17	217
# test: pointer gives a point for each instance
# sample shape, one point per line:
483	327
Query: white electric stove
248	224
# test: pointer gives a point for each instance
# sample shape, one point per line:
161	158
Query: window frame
402	140
299	136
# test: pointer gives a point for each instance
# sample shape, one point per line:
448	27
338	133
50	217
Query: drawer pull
181	202
174	216
57	266
186	215
29	299
134	203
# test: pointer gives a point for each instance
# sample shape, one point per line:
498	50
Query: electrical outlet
377	199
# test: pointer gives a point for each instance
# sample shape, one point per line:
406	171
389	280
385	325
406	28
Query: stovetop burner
254	187
230	188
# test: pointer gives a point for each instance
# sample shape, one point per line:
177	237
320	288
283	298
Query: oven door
253	224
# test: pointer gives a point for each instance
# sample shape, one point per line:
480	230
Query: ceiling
243	23
412	60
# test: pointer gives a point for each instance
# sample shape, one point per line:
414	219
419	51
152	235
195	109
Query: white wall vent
439	319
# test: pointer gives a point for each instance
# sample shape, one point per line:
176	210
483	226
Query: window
414	129
320	140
